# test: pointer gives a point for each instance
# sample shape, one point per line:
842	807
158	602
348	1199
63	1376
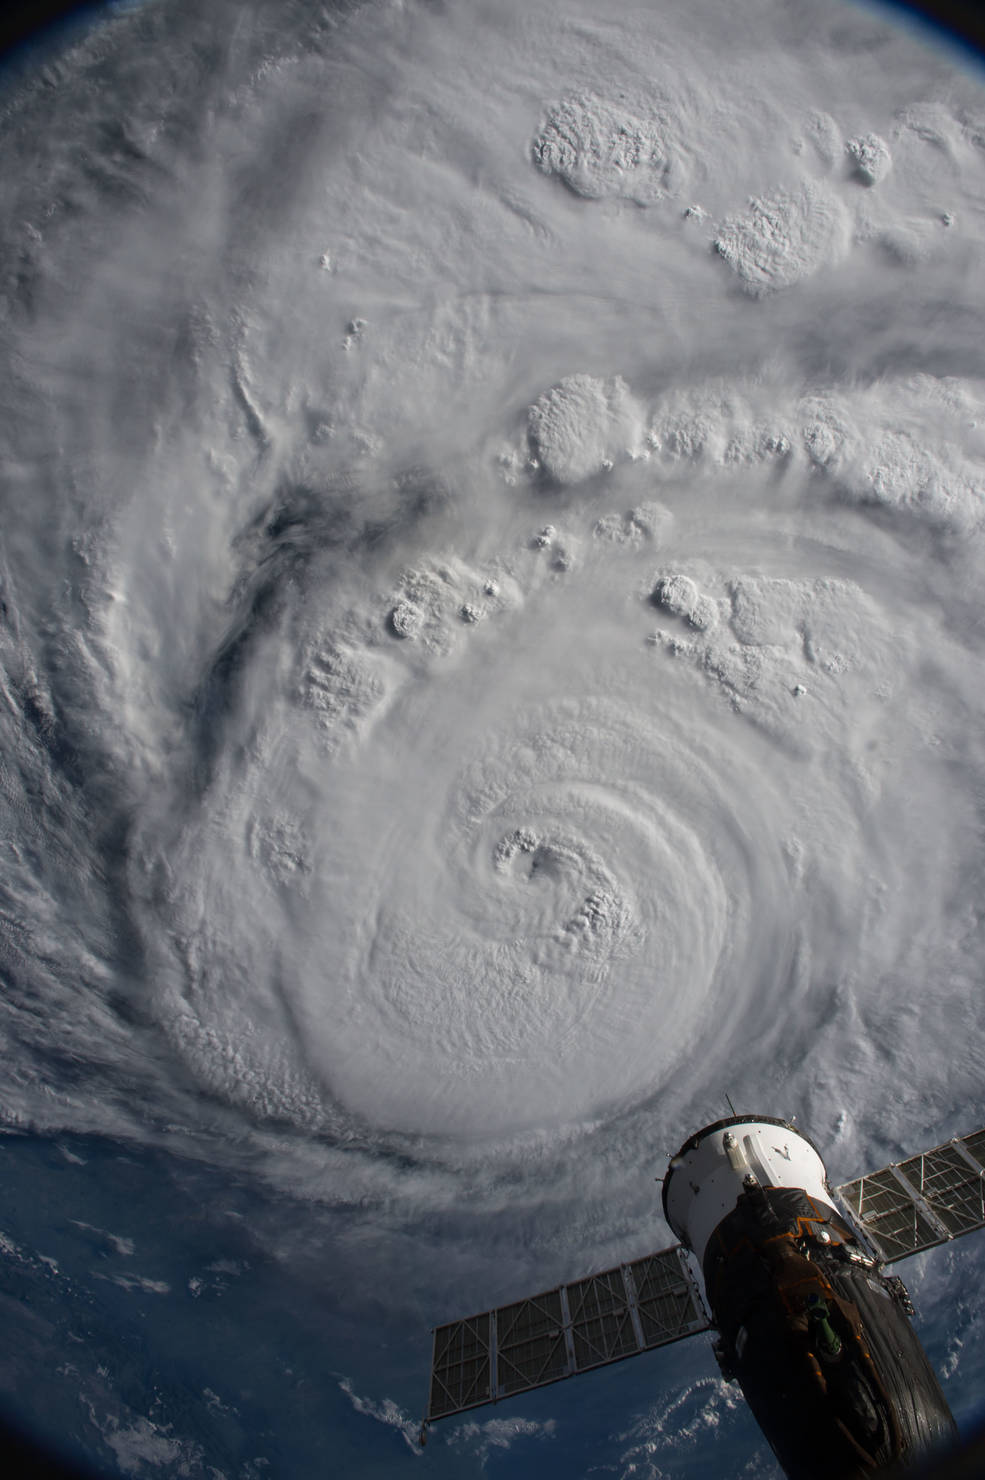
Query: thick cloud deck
678	595
600	149
915	447
524	906
582	426
870	157
784	237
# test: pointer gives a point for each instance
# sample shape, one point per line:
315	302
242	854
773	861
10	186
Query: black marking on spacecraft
807	1321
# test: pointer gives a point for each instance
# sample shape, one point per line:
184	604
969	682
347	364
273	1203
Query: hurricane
491	653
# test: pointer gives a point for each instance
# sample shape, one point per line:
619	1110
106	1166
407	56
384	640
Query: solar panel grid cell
975	1144
602	1325
888	1215
530	1343
665	1299
460	1373
949	1186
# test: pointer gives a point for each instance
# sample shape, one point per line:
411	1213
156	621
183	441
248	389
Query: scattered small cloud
135	1282
480	1439
385	1412
121	1245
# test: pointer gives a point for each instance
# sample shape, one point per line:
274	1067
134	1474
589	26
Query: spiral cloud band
574	825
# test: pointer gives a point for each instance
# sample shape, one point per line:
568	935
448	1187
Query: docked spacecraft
808	1322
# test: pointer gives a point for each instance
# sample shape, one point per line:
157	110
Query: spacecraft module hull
816	1335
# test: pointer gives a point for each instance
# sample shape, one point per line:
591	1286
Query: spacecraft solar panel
570	1329
929	1198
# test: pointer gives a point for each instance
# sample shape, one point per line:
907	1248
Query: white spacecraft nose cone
710	1172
